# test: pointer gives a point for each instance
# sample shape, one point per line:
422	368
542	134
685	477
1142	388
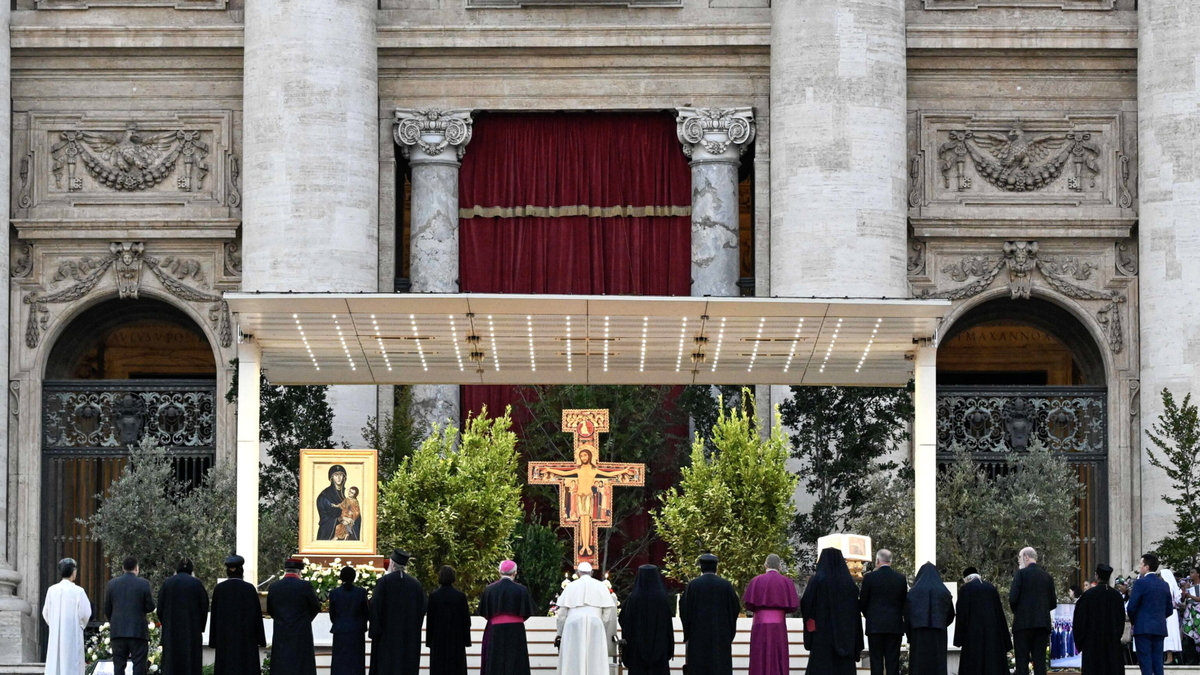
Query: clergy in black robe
980	628
833	632
709	611
447	626
183	611
397	612
646	625
293	604
348	615
928	612
1099	623
236	632
506	605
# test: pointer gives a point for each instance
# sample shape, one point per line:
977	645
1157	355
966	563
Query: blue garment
1149	653
1149	606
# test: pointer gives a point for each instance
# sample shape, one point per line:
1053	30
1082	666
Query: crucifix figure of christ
585	485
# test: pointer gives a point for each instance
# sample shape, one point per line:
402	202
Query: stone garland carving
127	260
24	200
916	257
1125	201
130	160
22	262
1022	259
1020	162
1127	264
235	170
445	127
731	126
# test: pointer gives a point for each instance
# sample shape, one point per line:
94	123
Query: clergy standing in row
1099	623
506	605
237	625
293	604
183	611
928	612
349	612
771	596
447	626
980	628
881	601
587	625
709	611
833	633
397	612
66	611
646	625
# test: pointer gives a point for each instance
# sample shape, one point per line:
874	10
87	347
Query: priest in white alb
587	625
67	611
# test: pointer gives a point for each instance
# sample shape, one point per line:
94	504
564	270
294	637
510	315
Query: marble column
714	140
18	628
838	115
1168	228
434	142
310	207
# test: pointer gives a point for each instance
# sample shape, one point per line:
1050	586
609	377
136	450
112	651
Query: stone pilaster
838	111
310	207
434	141
714	140
1168	229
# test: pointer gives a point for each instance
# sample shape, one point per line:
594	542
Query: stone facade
968	149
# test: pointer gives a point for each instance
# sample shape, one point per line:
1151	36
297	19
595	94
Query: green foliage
840	434
984	521
395	435
541	557
278	533
150	513
702	403
640	419
735	501
455	501
1176	434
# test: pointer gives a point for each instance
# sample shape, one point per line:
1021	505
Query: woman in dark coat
833	633
646	625
348	612
447	627
928	611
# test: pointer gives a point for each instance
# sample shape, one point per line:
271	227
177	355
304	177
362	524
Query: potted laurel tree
99	647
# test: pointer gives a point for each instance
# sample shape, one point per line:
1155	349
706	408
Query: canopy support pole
925	453
248	392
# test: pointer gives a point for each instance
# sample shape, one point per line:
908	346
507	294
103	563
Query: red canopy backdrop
572	203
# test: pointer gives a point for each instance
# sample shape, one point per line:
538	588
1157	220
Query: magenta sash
769	616
501	619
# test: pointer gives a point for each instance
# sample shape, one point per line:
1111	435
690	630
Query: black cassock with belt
1098	625
182	609
397	612
236	632
293	604
505	649
348	614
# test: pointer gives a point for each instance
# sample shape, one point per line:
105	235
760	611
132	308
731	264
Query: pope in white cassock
67	612
587	624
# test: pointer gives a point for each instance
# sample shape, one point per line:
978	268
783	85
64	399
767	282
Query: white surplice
587	623
67	612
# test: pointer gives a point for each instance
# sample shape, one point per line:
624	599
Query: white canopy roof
336	338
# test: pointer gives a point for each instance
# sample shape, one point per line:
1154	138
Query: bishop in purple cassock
771	596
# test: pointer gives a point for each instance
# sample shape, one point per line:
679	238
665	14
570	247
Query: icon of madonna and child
337	501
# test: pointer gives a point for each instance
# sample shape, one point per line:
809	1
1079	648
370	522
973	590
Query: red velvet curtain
522	171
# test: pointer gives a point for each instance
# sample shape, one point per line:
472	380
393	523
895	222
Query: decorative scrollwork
235	171
715	129
916	257
1127	263
24	199
433	130
78	417
994	422
22	263
1126	199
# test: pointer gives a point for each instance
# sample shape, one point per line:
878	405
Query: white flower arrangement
325	578
99	645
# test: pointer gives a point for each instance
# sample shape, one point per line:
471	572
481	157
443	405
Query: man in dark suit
1149	606
127	601
1032	599
881	602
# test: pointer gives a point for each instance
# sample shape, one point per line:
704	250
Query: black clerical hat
708	563
969	571
235	561
336	468
1104	572
401	557
293	564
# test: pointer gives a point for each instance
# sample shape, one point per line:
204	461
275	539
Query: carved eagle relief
131	159
1020	162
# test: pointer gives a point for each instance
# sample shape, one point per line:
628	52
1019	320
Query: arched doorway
120	371
1019	374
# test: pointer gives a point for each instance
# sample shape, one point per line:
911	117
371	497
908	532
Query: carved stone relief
1019	162
1048	4
181	276
1025	260
1127	263
130	160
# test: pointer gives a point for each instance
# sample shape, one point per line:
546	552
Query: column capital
424	135
715	134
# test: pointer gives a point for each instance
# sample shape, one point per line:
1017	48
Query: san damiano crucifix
585	485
